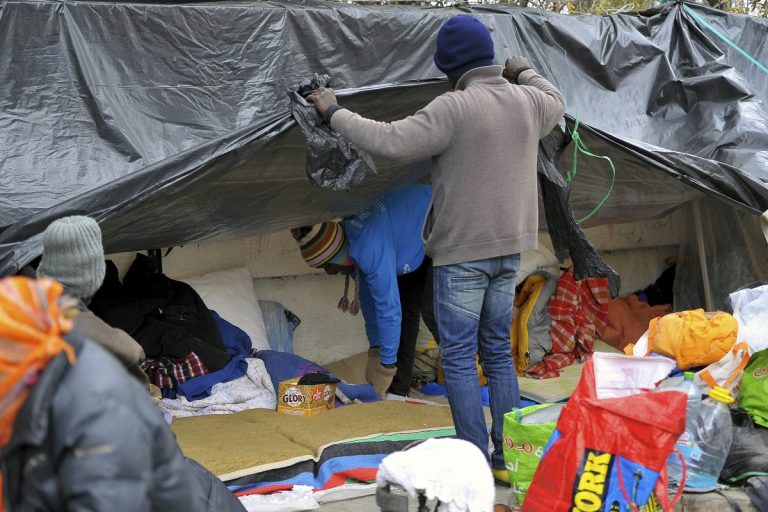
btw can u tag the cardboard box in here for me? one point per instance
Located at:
(307, 400)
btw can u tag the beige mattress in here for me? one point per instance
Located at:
(234, 445)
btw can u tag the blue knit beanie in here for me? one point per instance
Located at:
(463, 43)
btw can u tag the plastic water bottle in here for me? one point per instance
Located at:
(684, 444)
(692, 391)
(705, 443)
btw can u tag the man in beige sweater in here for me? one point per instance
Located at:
(482, 139)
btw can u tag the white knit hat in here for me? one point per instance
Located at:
(74, 255)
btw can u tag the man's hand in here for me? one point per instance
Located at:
(514, 66)
(322, 99)
(378, 375)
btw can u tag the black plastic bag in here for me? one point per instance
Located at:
(332, 161)
(568, 238)
(317, 378)
(748, 455)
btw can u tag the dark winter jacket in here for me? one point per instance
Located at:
(89, 438)
(167, 317)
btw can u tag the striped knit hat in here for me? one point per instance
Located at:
(321, 244)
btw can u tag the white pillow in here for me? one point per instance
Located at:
(230, 293)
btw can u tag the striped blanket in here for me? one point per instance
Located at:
(339, 464)
(261, 451)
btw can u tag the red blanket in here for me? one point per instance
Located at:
(579, 310)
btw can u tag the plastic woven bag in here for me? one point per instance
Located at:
(524, 446)
(726, 372)
(332, 161)
(608, 455)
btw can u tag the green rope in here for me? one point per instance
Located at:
(722, 36)
(580, 147)
(578, 144)
(565, 54)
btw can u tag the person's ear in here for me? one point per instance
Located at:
(299, 233)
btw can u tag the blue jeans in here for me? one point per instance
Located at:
(473, 310)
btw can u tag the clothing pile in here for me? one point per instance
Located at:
(557, 324)
(579, 310)
(199, 361)
(167, 317)
(530, 337)
(254, 391)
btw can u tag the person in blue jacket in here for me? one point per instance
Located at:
(382, 249)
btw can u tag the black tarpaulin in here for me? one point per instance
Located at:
(170, 123)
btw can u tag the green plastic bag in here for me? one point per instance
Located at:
(523, 447)
(753, 393)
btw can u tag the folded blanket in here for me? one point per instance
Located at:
(253, 391)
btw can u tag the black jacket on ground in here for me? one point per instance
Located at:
(89, 438)
(167, 317)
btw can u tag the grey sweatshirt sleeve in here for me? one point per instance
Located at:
(426, 133)
(548, 101)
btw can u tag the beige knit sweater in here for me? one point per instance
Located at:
(118, 342)
(483, 141)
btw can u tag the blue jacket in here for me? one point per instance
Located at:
(385, 242)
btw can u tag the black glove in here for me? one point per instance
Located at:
(317, 378)
(513, 67)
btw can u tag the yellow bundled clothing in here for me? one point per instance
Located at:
(693, 338)
(530, 339)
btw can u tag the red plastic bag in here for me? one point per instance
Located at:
(608, 455)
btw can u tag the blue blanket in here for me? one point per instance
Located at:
(283, 366)
(238, 345)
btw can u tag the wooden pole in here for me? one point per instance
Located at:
(702, 254)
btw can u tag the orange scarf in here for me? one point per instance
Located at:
(31, 329)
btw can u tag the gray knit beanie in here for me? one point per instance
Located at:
(74, 256)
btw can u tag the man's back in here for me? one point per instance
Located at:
(485, 195)
(483, 141)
